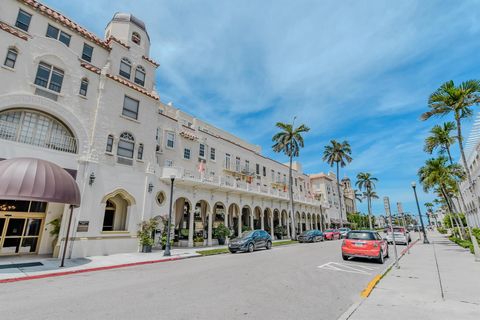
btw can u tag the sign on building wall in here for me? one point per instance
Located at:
(82, 226)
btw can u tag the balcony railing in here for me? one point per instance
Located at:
(54, 141)
(230, 183)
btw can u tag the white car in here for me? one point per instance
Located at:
(401, 235)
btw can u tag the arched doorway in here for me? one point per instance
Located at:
(200, 223)
(267, 217)
(233, 219)
(183, 209)
(247, 219)
(257, 218)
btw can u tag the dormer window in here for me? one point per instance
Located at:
(140, 76)
(125, 68)
(136, 38)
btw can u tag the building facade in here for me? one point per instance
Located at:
(89, 104)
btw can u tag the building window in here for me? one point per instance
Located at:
(212, 154)
(296, 182)
(23, 20)
(257, 169)
(247, 166)
(11, 58)
(140, 76)
(83, 87)
(49, 77)
(130, 107)
(59, 35)
(273, 175)
(201, 151)
(35, 128)
(237, 164)
(109, 146)
(126, 144)
(186, 153)
(115, 217)
(136, 38)
(87, 52)
(170, 139)
(140, 151)
(125, 68)
(227, 161)
(168, 163)
(264, 171)
(284, 178)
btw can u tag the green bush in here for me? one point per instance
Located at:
(442, 230)
(462, 243)
(221, 232)
(145, 232)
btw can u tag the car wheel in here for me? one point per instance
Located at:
(323, 239)
(233, 251)
(250, 247)
(381, 258)
(269, 245)
(344, 257)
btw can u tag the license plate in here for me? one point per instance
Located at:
(358, 244)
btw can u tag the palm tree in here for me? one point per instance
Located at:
(441, 138)
(428, 206)
(358, 195)
(289, 141)
(366, 182)
(339, 154)
(457, 100)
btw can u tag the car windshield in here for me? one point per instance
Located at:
(329, 230)
(400, 230)
(360, 236)
(246, 234)
(304, 233)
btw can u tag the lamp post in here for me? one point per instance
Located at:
(166, 253)
(425, 240)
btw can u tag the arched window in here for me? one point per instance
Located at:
(140, 75)
(136, 38)
(126, 144)
(109, 147)
(125, 68)
(115, 217)
(11, 58)
(83, 87)
(140, 151)
(36, 128)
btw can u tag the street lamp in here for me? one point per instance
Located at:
(166, 253)
(425, 240)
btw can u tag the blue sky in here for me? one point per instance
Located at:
(355, 70)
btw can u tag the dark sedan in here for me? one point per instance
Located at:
(310, 236)
(250, 241)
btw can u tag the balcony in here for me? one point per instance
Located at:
(227, 183)
(50, 140)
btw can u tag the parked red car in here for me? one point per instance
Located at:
(365, 244)
(331, 234)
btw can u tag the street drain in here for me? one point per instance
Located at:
(21, 265)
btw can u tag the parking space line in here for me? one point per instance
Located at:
(350, 268)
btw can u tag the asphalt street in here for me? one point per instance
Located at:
(304, 281)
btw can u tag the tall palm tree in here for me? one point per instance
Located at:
(428, 206)
(289, 141)
(365, 181)
(441, 138)
(339, 154)
(458, 100)
(358, 195)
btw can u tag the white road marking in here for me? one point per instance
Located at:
(343, 267)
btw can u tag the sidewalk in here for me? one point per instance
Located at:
(31, 267)
(416, 290)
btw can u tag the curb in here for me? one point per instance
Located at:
(118, 266)
(371, 285)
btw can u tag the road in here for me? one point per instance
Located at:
(304, 281)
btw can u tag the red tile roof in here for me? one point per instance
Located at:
(156, 64)
(15, 32)
(112, 38)
(133, 86)
(90, 67)
(60, 18)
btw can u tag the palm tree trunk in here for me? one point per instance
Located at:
(369, 207)
(473, 239)
(462, 207)
(339, 196)
(290, 190)
(449, 208)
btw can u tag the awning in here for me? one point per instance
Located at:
(34, 179)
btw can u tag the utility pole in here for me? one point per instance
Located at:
(386, 204)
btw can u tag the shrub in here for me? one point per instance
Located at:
(221, 232)
(146, 230)
(462, 243)
(442, 230)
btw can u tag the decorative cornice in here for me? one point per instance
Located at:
(12, 30)
(133, 86)
(156, 64)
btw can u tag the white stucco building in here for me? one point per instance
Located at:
(89, 104)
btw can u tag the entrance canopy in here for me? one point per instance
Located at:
(34, 179)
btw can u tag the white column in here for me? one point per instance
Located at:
(251, 220)
(210, 223)
(239, 224)
(287, 224)
(262, 222)
(271, 226)
(190, 229)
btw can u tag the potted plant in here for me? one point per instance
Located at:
(145, 234)
(279, 230)
(221, 233)
(55, 223)
(184, 233)
(198, 240)
(163, 241)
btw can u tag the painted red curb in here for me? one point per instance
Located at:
(408, 247)
(64, 273)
